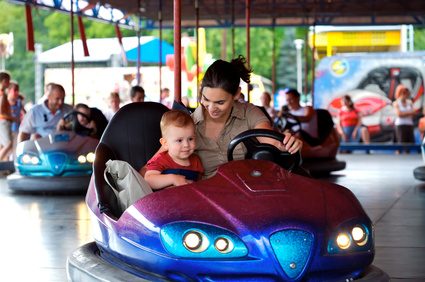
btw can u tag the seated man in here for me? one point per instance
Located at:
(41, 120)
(307, 117)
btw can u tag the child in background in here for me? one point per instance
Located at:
(177, 165)
(17, 110)
(114, 102)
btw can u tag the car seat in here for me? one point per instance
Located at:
(133, 136)
(325, 124)
(100, 120)
(321, 159)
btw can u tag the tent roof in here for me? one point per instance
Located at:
(268, 12)
(225, 13)
(101, 50)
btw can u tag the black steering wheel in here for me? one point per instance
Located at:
(287, 121)
(263, 151)
(76, 126)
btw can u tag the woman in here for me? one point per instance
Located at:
(404, 111)
(220, 118)
(350, 123)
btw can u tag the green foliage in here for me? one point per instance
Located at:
(20, 64)
(261, 42)
(286, 74)
(419, 43)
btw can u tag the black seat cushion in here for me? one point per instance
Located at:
(133, 136)
(100, 120)
(325, 124)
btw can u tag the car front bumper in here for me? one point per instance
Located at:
(86, 264)
(75, 183)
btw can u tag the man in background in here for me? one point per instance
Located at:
(41, 120)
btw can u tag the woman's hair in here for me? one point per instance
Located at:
(81, 106)
(177, 118)
(227, 76)
(400, 89)
(347, 99)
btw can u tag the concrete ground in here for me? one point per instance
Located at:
(39, 231)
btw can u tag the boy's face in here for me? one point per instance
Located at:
(13, 92)
(179, 141)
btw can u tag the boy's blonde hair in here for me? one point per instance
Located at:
(176, 118)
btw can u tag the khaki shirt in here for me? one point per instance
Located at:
(244, 116)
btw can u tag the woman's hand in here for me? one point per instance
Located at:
(291, 143)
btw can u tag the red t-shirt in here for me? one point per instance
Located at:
(348, 118)
(6, 106)
(164, 163)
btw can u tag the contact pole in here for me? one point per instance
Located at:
(177, 51)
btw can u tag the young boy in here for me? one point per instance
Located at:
(177, 165)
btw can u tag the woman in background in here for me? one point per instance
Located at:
(403, 108)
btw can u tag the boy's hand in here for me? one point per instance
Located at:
(180, 180)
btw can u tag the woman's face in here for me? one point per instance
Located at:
(217, 102)
(405, 93)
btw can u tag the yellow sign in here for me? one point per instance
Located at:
(356, 41)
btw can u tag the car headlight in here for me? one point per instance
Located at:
(351, 236)
(195, 241)
(82, 159)
(90, 157)
(343, 240)
(198, 240)
(28, 159)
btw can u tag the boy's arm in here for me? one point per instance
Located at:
(157, 180)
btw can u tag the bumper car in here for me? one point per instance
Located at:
(60, 162)
(252, 221)
(318, 155)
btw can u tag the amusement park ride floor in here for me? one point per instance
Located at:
(40, 231)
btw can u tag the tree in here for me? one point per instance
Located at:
(419, 43)
(286, 73)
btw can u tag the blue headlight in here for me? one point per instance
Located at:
(198, 240)
(351, 236)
